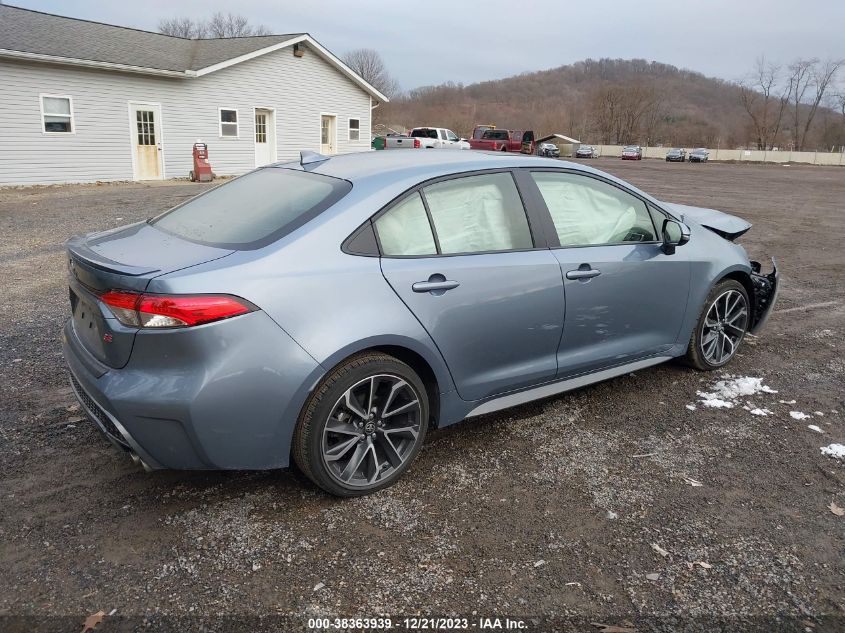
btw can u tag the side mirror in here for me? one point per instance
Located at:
(674, 234)
(463, 140)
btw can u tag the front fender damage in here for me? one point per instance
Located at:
(766, 288)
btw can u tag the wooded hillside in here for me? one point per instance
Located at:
(608, 101)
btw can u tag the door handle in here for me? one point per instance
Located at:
(583, 272)
(434, 285)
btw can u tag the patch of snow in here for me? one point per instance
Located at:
(763, 412)
(710, 400)
(813, 427)
(837, 451)
(819, 413)
(691, 407)
(725, 393)
(798, 415)
(787, 401)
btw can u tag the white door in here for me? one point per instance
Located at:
(265, 137)
(145, 126)
(328, 134)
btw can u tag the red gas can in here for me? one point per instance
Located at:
(202, 168)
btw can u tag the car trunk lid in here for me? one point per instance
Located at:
(127, 258)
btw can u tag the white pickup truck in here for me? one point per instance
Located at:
(427, 138)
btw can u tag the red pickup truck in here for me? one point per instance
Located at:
(491, 138)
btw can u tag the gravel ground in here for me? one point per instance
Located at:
(615, 504)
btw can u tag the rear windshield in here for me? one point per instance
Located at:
(497, 135)
(424, 133)
(253, 210)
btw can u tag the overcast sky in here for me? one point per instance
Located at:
(433, 41)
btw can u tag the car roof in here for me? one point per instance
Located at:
(422, 164)
(380, 168)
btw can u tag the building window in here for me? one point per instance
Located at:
(260, 127)
(229, 122)
(56, 114)
(354, 129)
(145, 122)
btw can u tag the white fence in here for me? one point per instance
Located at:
(741, 155)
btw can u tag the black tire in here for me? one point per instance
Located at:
(308, 447)
(696, 356)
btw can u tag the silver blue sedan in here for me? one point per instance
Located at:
(332, 310)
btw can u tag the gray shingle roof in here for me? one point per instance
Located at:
(46, 34)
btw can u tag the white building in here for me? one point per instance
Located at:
(83, 101)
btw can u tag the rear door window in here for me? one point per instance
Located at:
(477, 214)
(253, 210)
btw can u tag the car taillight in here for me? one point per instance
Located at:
(161, 311)
(416, 143)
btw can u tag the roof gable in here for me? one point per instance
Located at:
(26, 34)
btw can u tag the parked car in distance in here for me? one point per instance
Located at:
(699, 155)
(676, 155)
(585, 151)
(332, 310)
(549, 150)
(632, 152)
(438, 138)
(500, 140)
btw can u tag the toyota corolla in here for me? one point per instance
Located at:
(330, 311)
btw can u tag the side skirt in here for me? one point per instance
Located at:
(550, 389)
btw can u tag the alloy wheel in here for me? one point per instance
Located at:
(724, 326)
(371, 430)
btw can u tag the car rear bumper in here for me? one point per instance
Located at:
(110, 426)
(223, 395)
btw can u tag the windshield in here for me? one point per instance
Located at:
(424, 133)
(253, 210)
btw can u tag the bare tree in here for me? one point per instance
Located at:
(809, 80)
(607, 107)
(764, 104)
(183, 27)
(218, 25)
(622, 112)
(232, 25)
(369, 64)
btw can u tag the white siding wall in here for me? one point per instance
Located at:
(298, 89)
